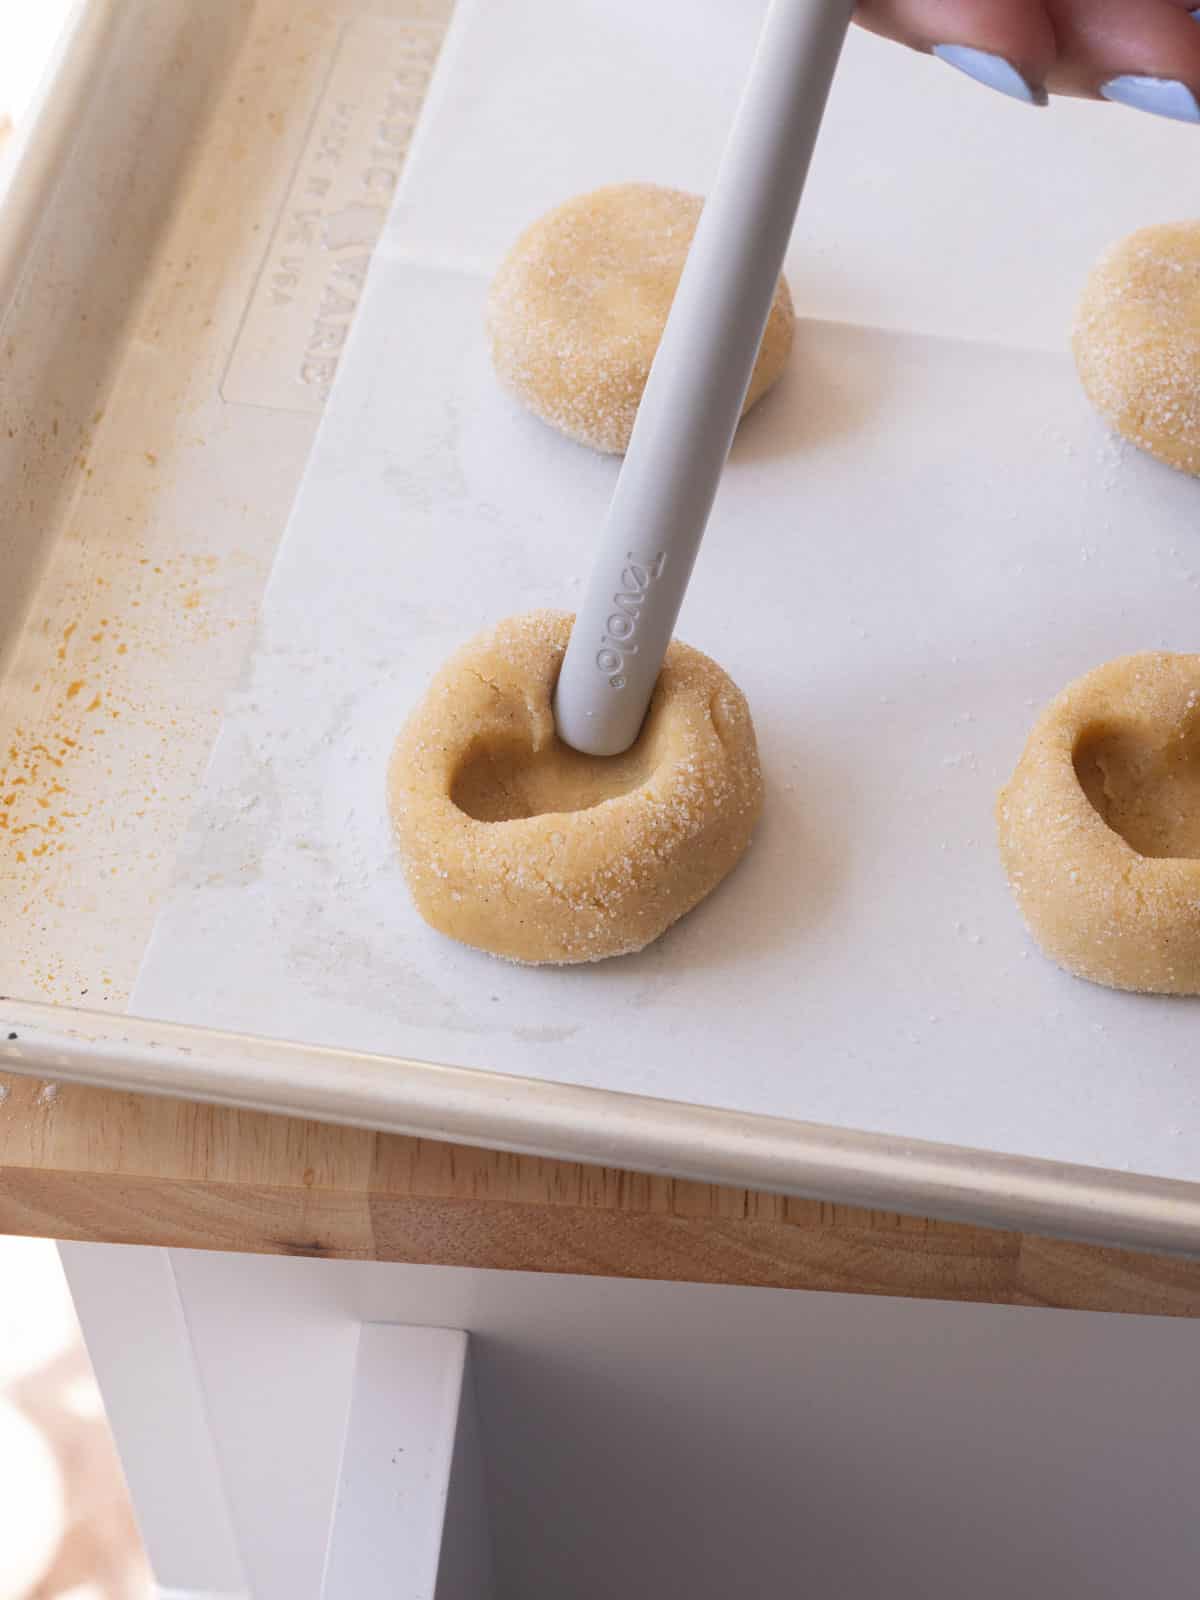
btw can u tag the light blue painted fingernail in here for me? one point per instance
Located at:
(1162, 97)
(994, 71)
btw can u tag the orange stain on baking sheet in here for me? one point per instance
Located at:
(80, 702)
(32, 791)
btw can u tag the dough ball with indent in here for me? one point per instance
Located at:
(519, 845)
(1100, 826)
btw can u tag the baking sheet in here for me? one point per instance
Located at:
(926, 536)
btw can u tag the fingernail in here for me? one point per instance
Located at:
(1162, 97)
(994, 71)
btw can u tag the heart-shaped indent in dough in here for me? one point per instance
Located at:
(1145, 785)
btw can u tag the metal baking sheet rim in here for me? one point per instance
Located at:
(599, 1127)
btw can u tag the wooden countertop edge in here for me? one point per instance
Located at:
(821, 1250)
(101, 1165)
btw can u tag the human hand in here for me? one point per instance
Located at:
(1140, 53)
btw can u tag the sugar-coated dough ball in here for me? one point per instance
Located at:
(579, 305)
(519, 845)
(1137, 341)
(1100, 826)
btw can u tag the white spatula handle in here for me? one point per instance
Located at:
(697, 385)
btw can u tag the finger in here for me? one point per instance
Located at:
(1007, 44)
(1139, 53)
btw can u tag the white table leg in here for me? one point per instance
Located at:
(355, 1475)
(138, 1340)
(411, 1511)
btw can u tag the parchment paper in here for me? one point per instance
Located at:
(921, 537)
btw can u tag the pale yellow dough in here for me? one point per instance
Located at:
(518, 845)
(1100, 826)
(578, 307)
(1137, 341)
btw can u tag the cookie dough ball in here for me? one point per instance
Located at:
(580, 303)
(1100, 826)
(1137, 341)
(517, 844)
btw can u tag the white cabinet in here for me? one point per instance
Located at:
(634, 1438)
